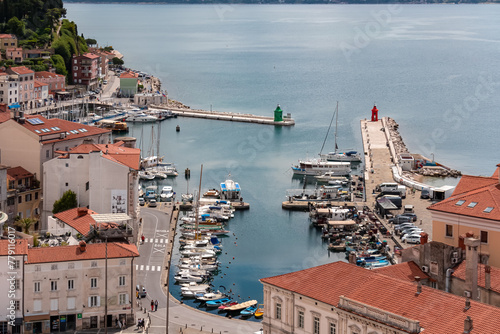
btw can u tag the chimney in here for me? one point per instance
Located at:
(471, 264)
(498, 172)
(461, 242)
(487, 277)
(424, 237)
(467, 304)
(83, 246)
(467, 325)
(82, 212)
(419, 285)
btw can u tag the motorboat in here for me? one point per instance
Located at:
(214, 193)
(167, 194)
(230, 190)
(211, 296)
(320, 166)
(260, 311)
(351, 156)
(145, 175)
(185, 277)
(192, 288)
(141, 118)
(223, 306)
(241, 306)
(249, 311)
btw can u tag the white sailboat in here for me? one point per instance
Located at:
(351, 156)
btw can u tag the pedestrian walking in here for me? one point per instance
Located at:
(142, 238)
(137, 294)
(156, 305)
(152, 305)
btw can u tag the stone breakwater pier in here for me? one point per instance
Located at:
(278, 119)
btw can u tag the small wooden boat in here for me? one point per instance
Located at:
(260, 311)
(217, 302)
(249, 311)
(212, 193)
(223, 306)
(241, 306)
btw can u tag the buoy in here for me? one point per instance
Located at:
(233, 257)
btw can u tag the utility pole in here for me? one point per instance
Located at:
(106, 290)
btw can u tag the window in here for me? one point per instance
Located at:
(93, 264)
(71, 303)
(47, 153)
(488, 209)
(316, 325)
(87, 185)
(14, 264)
(93, 282)
(333, 328)
(17, 304)
(123, 297)
(36, 287)
(27, 198)
(121, 280)
(16, 284)
(71, 266)
(53, 267)
(484, 237)
(37, 305)
(53, 285)
(19, 199)
(54, 304)
(123, 262)
(301, 319)
(36, 195)
(94, 301)
(472, 204)
(449, 230)
(278, 311)
(38, 267)
(71, 284)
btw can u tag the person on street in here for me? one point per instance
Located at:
(152, 305)
(142, 238)
(156, 305)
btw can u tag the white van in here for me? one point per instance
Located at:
(411, 239)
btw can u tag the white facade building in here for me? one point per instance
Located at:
(104, 178)
(9, 89)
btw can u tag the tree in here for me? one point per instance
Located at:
(25, 223)
(117, 61)
(16, 27)
(90, 41)
(58, 63)
(66, 202)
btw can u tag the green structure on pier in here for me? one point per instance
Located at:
(278, 114)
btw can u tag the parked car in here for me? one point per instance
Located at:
(411, 215)
(411, 239)
(105, 82)
(399, 220)
(425, 194)
(416, 231)
(141, 201)
(141, 291)
(152, 203)
(404, 226)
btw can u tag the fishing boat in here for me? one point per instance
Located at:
(114, 126)
(189, 290)
(217, 302)
(223, 306)
(230, 190)
(167, 194)
(328, 177)
(260, 311)
(211, 296)
(249, 311)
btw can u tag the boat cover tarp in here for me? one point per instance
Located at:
(341, 222)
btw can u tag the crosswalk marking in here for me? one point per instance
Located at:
(148, 268)
(161, 241)
(156, 241)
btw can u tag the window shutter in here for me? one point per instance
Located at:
(126, 299)
(98, 301)
(89, 303)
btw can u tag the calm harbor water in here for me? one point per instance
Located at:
(433, 68)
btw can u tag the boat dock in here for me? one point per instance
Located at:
(231, 117)
(187, 206)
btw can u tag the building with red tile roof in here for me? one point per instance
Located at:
(343, 298)
(9, 90)
(129, 83)
(74, 278)
(29, 141)
(15, 54)
(105, 177)
(41, 91)
(488, 283)
(77, 220)
(404, 271)
(24, 195)
(86, 70)
(55, 81)
(25, 85)
(473, 207)
(7, 41)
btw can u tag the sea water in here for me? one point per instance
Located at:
(433, 68)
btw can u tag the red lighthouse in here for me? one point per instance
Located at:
(374, 113)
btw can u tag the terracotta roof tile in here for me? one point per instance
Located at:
(494, 275)
(63, 126)
(7, 36)
(90, 55)
(484, 191)
(328, 282)
(21, 247)
(18, 172)
(40, 83)
(403, 271)
(21, 70)
(73, 253)
(46, 74)
(81, 223)
(130, 157)
(4, 115)
(129, 75)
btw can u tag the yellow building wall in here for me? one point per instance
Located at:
(491, 248)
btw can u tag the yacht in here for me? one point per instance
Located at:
(141, 118)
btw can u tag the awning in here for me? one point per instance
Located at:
(37, 317)
(15, 105)
(110, 217)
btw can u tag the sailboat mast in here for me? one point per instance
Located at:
(197, 206)
(336, 124)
